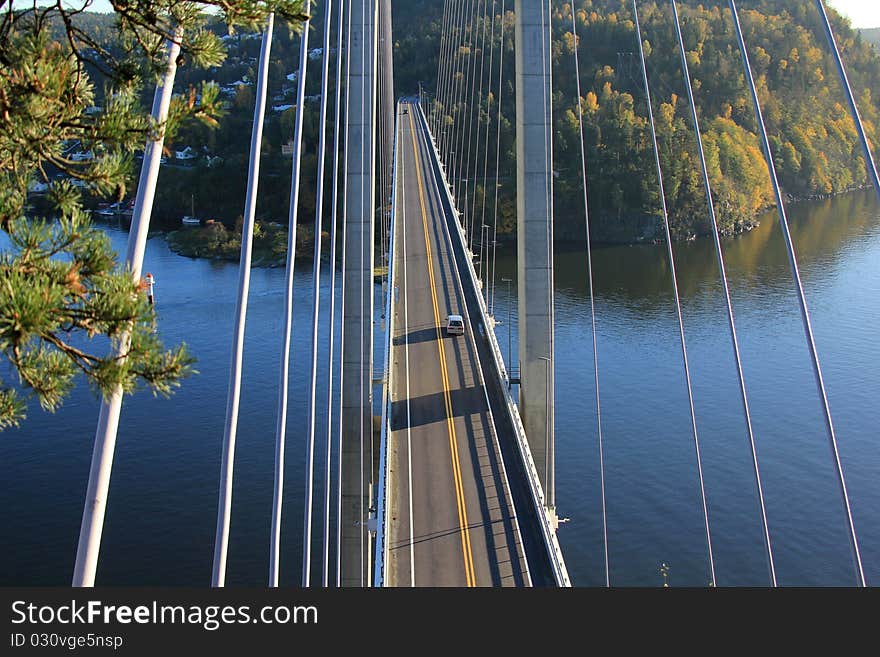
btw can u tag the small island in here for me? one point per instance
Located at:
(215, 241)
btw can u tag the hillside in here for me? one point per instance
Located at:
(813, 138)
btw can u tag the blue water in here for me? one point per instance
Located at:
(162, 507)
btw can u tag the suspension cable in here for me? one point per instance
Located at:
(281, 428)
(498, 164)
(458, 162)
(344, 183)
(95, 506)
(802, 299)
(484, 278)
(440, 63)
(577, 77)
(672, 270)
(364, 212)
(443, 70)
(723, 273)
(847, 88)
(325, 575)
(316, 299)
(464, 107)
(452, 86)
(472, 118)
(244, 277)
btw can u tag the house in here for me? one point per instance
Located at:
(287, 149)
(293, 76)
(186, 154)
(316, 54)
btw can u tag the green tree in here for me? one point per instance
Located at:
(64, 299)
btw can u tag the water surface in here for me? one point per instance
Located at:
(162, 507)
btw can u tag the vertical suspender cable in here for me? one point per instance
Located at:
(448, 66)
(442, 62)
(802, 300)
(433, 112)
(325, 579)
(592, 294)
(671, 254)
(498, 164)
(92, 526)
(723, 272)
(467, 122)
(457, 84)
(443, 68)
(458, 144)
(281, 427)
(451, 68)
(316, 298)
(847, 88)
(361, 261)
(221, 541)
(485, 277)
(344, 195)
(474, 117)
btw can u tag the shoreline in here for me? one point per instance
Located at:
(264, 258)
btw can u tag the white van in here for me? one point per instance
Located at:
(454, 325)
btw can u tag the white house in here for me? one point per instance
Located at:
(186, 154)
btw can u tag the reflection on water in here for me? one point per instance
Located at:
(162, 507)
(654, 512)
(824, 231)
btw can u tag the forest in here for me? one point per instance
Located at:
(815, 146)
(814, 142)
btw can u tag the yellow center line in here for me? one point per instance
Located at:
(450, 423)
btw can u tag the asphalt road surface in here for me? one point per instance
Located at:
(452, 517)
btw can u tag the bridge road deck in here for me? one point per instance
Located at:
(452, 517)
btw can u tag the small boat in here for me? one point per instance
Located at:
(191, 219)
(106, 210)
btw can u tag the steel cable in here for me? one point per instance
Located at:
(675, 289)
(723, 275)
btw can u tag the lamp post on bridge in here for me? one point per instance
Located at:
(549, 474)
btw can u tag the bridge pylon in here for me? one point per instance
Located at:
(534, 180)
(357, 344)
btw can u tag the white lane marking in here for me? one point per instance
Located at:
(412, 543)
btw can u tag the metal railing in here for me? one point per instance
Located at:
(384, 493)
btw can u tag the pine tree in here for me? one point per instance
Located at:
(65, 301)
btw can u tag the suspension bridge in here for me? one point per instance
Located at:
(439, 468)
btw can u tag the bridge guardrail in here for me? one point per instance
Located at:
(384, 493)
(548, 531)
